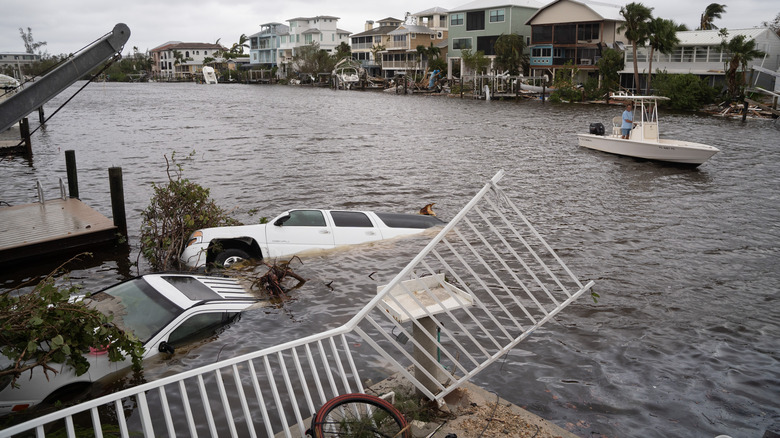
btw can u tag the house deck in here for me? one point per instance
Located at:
(34, 230)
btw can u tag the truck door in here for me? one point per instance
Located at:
(298, 231)
(351, 227)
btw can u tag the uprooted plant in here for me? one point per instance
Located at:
(46, 326)
(176, 210)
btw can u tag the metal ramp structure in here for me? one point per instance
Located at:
(486, 282)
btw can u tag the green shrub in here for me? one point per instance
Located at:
(686, 91)
(176, 210)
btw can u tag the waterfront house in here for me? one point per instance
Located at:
(573, 33)
(192, 57)
(303, 31)
(263, 45)
(477, 25)
(14, 63)
(372, 40)
(425, 28)
(699, 53)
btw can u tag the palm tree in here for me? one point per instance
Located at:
(711, 12)
(662, 36)
(742, 51)
(375, 49)
(509, 52)
(637, 16)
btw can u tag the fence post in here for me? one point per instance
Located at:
(73, 177)
(118, 199)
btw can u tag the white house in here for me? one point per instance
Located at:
(166, 65)
(303, 31)
(699, 53)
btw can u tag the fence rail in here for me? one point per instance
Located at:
(487, 281)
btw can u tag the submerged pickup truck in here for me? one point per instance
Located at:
(295, 231)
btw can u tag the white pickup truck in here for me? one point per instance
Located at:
(295, 231)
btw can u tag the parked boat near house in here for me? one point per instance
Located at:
(644, 140)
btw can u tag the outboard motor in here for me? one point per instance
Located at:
(597, 128)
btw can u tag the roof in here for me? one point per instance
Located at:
(607, 11)
(408, 28)
(712, 37)
(432, 11)
(313, 18)
(485, 4)
(390, 19)
(178, 45)
(381, 30)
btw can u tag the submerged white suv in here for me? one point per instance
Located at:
(165, 311)
(295, 231)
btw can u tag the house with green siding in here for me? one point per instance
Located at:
(477, 26)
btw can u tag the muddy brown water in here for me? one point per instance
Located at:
(682, 342)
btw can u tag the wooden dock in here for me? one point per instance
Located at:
(35, 230)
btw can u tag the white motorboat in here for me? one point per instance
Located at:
(644, 140)
(8, 86)
(209, 76)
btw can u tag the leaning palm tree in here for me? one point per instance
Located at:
(662, 36)
(711, 12)
(742, 51)
(636, 16)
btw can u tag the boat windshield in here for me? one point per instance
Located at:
(136, 307)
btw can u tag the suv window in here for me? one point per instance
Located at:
(200, 327)
(400, 220)
(351, 219)
(305, 218)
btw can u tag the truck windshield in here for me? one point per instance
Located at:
(136, 307)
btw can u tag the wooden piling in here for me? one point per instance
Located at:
(73, 178)
(24, 129)
(41, 117)
(118, 199)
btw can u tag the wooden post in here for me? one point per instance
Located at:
(24, 130)
(41, 117)
(118, 199)
(426, 345)
(744, 108)
(73, 178)
(461, 86)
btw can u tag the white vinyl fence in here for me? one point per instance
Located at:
(481, 286)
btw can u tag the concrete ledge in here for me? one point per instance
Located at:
(475, 412)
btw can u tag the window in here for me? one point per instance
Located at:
(541, 34)
(475, 20)
(487, 44)
(304, 218)
(701, 54)
(456, 20)
(497, 16)
(199, 327)
(588, 32)
(565, 34)
(351, 219)
(461, 43)
(307, 38)
(541, 52)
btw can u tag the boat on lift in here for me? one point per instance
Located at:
(644, 140)
(209, 77)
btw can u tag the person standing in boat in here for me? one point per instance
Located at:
(628, 121)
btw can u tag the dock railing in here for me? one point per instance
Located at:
(486, 282)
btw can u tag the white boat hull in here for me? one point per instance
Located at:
(673, 151)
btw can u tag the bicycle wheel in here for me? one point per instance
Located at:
(359, 416)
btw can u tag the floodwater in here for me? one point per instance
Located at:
(684, 338)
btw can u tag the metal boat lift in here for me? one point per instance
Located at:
(35, 94)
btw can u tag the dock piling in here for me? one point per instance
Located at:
(118, 199)
(73, 179)
(24, 129)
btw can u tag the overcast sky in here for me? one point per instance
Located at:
(69, 25)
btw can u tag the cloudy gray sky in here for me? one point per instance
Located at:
(69, 25)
